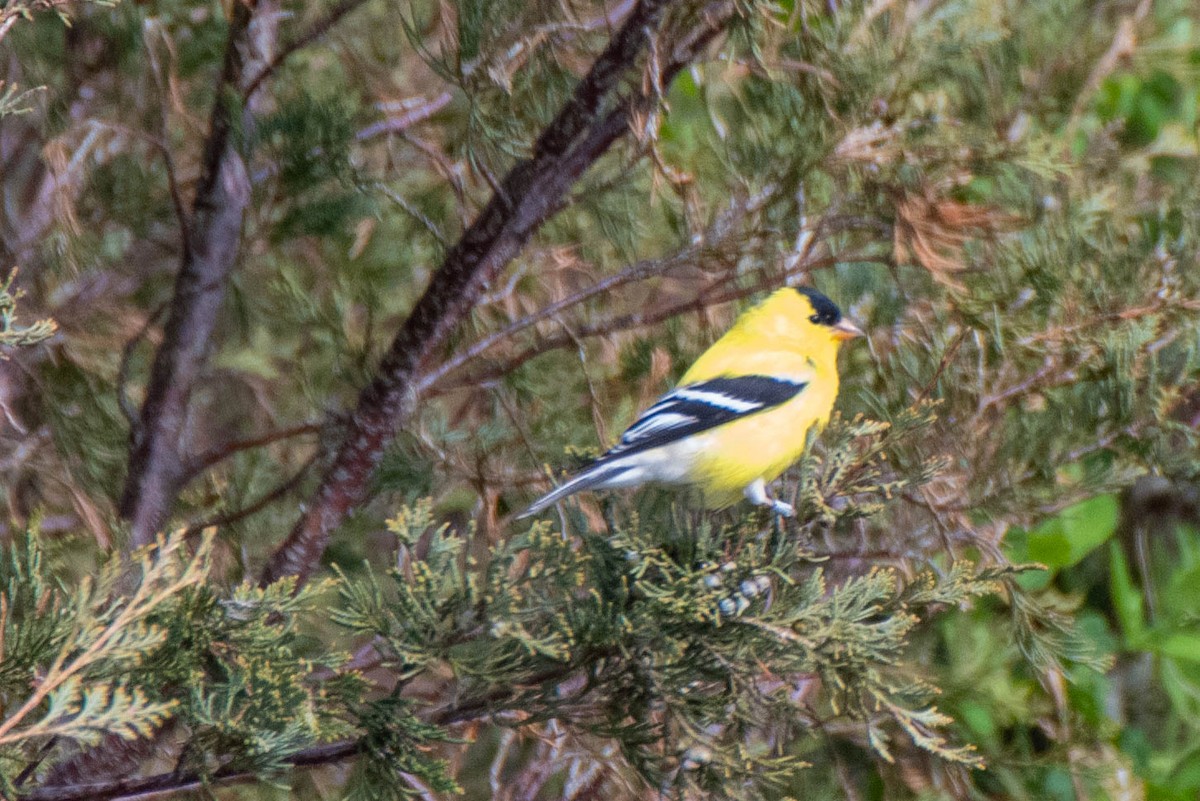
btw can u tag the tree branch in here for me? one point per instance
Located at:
(318, 29)
(213, 238)
(256, 506)
(530, 193)
(175, 781)
(710, 295)
(407, 119)
(224, 451)
(462, 711)
(716, 236)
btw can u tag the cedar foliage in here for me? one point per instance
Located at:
(965, 606)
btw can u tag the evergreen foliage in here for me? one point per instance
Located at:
(695, 649)
(69, 655)
(13, 334)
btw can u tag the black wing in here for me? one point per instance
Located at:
(698, 407)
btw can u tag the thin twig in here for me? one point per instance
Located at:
(947, 357)
(367, 657)
(415, 213)
(705, 298)
(128, 410)
(181, 214)
(176, 781)
(318, 29)
(1052, 374)
(258, 505)
(638, 271)
(222, 452)
(445, 168)
(402, 122)
(27, 773)
(173, 187)
(392, 125)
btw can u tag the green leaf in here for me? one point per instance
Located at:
(1180, 645)
(1136, 745)
(1186, 775)
(979, 719)
(1127, 598)
(1075, 532)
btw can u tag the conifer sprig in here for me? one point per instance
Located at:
(680, 645)
(13, 334)
(82, 647)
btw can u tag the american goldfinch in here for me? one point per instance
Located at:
(741, 415)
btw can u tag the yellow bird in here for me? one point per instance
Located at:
(741, 415)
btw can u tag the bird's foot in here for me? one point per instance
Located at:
(756, 493)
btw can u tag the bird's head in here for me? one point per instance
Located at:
(795, 328)
(823, 319)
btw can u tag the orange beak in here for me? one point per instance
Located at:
(844, 329)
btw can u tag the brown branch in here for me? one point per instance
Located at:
(222, 452)
(318, 29)
(1095, 317)
(718, 232)
(257, 506)
(462, 711)
(213, 239)
(1051, 374)
(174, 188)
(579, 135)
(707, 297)
(402, 122)
(947, 356)
(186, 780)
(392, 125)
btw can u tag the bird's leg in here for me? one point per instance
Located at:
(756, 493)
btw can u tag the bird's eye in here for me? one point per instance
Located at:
(815, 319)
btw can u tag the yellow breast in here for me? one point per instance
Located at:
(777, 339)
(762, 445)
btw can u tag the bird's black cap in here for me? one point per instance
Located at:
(826, 311)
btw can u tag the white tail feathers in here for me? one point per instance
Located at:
(597, 476)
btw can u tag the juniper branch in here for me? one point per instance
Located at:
(183, 780)
(163, 574)
(531, 192)
(465, 710)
